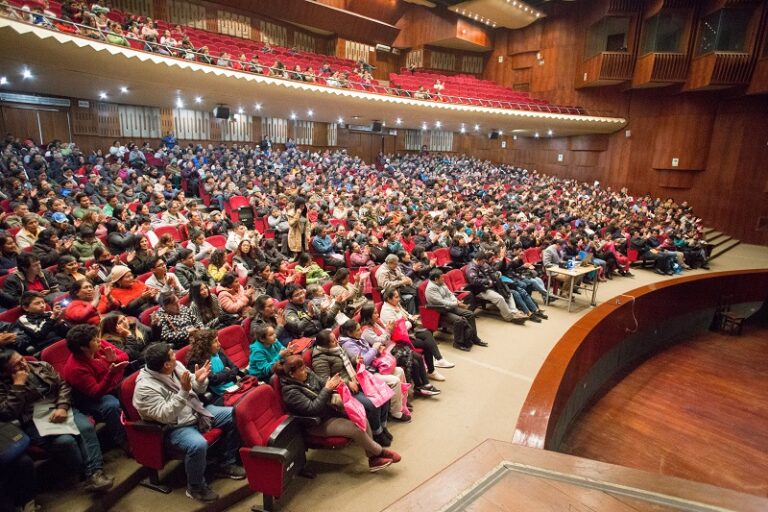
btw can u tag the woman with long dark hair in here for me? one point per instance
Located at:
(204, 305)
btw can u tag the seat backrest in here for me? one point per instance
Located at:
(532, 255)
(423, 292)
(455, 280)
(143, 277)
(146, 316)
(259, 412)
(12, 314)
(218, 241)
(172, 230)
(234, 343)
(56, 355)
(126, 397)
(443, 256)
(182, 353)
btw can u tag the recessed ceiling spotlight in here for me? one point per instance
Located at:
(424, 126)
(477, 127)
(340, 120)
(123, 90)
(258, 106)
(179, 103)
(536, 135)
(514, 137)
(438, 124)
(198, 99)
(550, 132)
(462, 129)
(26, 73)
(240, 111)
(398, 121)
(293, 116)
(3, 80)
(102, 95)
(310, 112)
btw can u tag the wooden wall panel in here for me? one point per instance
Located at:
(55, 125)
(84, 120)
(22, 122)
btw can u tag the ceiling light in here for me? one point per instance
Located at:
(293, 116)
(501, 132)
(124, 90)
(310, 112)
(398, 121)
(477, 127)
(240, 111)
(258, 106)
(179, 103)
(462, 129)
(514, 137)
(424, 126)
(340, 120)
(550, 132)
(438, 124)
(536, 135)
(26, 73)
(102, 95)
(3, 80)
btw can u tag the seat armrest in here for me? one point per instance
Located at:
(307, 421)
(269, 452)
(145, 426)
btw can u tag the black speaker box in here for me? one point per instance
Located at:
(494, 135)
(377, 126)
(221, 112)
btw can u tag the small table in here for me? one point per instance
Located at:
(575, 273)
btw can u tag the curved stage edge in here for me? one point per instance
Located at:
(617, 336)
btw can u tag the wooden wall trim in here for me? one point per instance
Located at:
(597, 333)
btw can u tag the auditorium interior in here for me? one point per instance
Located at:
(652, 399)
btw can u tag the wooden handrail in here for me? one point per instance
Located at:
(616, 66)
(732, 68)
(576, 368)
(669, 66)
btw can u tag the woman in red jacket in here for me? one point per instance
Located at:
(94, 370)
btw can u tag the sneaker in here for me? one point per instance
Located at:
(378, 463)
(480, 343)
(425, 391)
(203, 493)
(436, 375)
(231, 471)
(99, 481)
(389, 454)
(444, 363)
(541, 314)
(403, 418)
(534, 318)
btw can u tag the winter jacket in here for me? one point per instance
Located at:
(15, 285)
(92, 377)
(16, 402)
(188, 275)
(156, 401)
(37, 331)
(308, 398)
(263, 358)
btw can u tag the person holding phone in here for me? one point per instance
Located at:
(95, 370)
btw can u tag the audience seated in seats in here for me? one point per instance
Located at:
(348, 294)
(323, 245)
(26, 385)
(85, 244)
(30, 231)
(453, 312)
(69, 271)
(300, 322)
(37, 328)
(392, 311)
(201, 249)
(311, 270)
(140, 257)
(265, 311)
(205, 306)
(9, 252)
(86, 303)
(205, 348)
(305, 394)
(130, 295)
(483, 282)
(360, 256)
(168, 248)
(390, 277)
(162, 280)
(49, 248)
(218, 266)
(264, 281)
(265, 351)
(647, 248)
(129, 336)
(329, 359)
(95, 370)
(234, 298)
(187, 270)
(514, 287)
(29, 276)
(168, 394)
(175, 322)
(362, 352)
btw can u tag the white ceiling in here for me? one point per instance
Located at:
(79, 68)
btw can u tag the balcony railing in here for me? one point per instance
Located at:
(78, 30)
(732, 68)
(616, 66)
(669, 67)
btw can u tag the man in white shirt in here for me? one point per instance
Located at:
(163, 280)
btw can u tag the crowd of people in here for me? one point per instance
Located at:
(81, 259)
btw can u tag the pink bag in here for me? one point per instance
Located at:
(385, 363)
(365, 277)
(404, 386)
(354, 409)
(376, 390)
(400, 332)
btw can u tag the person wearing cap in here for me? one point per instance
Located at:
(60, 223)
(131, 295)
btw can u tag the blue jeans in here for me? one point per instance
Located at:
(524, 301)
(535, 283)
(191, 442)
(377, 416)
(75, 452)
(106, 409)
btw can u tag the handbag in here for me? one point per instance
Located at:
(13, 442)
(385, 363)
(352, 407)
(243, 388)
(405, 386)
(376, 390)
(400, 332)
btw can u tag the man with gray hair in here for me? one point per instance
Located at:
(390, 276)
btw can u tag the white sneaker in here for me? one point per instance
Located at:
(436, 375)
(444, 363)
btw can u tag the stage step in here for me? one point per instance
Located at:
(724, 248)
(719, 241)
